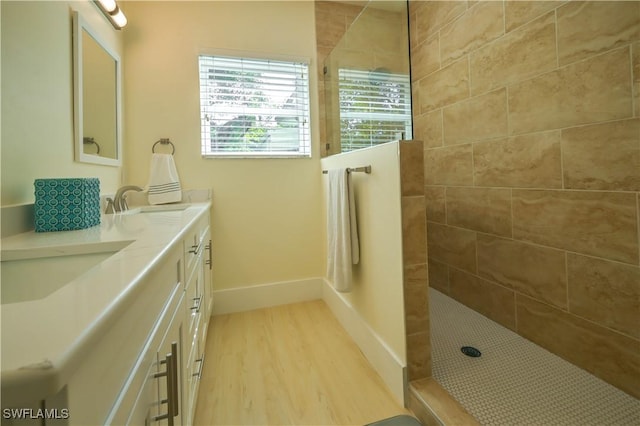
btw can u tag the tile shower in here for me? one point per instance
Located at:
(530, 117)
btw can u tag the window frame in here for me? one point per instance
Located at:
(305, 147)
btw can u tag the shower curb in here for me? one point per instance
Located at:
(434, 406)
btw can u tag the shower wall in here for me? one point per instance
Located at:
(530, 117)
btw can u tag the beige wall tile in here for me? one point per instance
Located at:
(411, 168)
(533, 270)
(481, 209)
(416, 305)
(435, 203)
(377, 30)
(428, 128)
(330, 27)
(475, 119)
(491, 300)
(332, 21)
(478, 26)
(449, 166)
(453, 246)
(527, 161)
(602, 156)
(415, 6)
(520, 12)
(605, 353)
(586, 28)
(636, 76)
(445, 86)
(523, 53)
(433, 15)
(413, 23)
(418, 355)
(605, 292)
(425, 58)
(598, 223)
(414, 240)
(438, 276)
(351, 58)
(590, 91)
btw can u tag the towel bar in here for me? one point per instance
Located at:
(164, 141)
(365, 169)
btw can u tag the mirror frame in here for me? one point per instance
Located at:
(79, 25)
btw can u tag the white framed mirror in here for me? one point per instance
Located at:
(96, 96)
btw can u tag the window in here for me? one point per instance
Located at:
(254, 107)
(375, 107)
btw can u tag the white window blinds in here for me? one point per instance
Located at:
(254, 107)
(375, 107)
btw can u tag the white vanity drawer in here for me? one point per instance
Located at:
(194, 243)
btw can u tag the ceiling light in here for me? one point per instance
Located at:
(111, 10)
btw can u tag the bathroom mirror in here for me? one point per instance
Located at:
(367, 80)
(97, 117)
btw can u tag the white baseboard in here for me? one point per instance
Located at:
(266, 295)
(387, 364)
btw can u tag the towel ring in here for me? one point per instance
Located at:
(164, 141)
(87, 140)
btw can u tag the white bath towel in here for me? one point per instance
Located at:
(164, 184)
(343, 249)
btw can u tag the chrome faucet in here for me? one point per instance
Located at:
(119, 202)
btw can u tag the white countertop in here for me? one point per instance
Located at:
(41, 338)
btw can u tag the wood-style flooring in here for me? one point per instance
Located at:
(288, 365)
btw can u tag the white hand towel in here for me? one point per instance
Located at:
(164, 185)
(343, 249)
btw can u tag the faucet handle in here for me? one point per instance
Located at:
(109, 209)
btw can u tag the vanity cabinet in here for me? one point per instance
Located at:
(125, 342)
(164, 386)
(197, 246)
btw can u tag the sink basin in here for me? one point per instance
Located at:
(160, 208)
(36, 273)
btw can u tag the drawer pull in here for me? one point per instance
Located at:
(199, 373)
(198, 301)
(195, 249)
(171, 373)
(210, 260)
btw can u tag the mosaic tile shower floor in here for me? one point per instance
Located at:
(516, 382)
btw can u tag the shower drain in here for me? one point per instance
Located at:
(470, 351)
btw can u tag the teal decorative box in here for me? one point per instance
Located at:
(66, 204)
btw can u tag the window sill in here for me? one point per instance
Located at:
(256, 156)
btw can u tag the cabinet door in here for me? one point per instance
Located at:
(169, 374)
(145, 409)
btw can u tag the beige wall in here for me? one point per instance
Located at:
(377, 280)
(531, 130)
(267, 213)
(37, 96)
